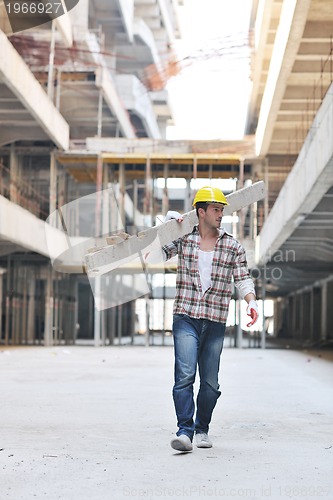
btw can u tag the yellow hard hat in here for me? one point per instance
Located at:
(210, 195)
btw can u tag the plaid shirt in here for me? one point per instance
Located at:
(229, 261)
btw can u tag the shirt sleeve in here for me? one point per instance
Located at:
(171, 249)
(241, 274)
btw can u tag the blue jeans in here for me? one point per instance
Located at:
(196, 342)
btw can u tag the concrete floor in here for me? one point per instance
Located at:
(84, 423)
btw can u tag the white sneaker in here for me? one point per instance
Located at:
(203, 440)
(182, 443)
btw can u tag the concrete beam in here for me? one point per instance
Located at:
(305, 186)
(287, 41)
(166, 20)
(260, 33)
(20, 80)
(30, 232)
(142, 31)
(105, 83)
(64, 26)
(106, 258)
(135, 97)
(126, 8)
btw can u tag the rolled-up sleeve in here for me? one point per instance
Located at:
(242, 279)
(171, 249)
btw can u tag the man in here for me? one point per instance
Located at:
(208, 259)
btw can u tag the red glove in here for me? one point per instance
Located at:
(253, 311)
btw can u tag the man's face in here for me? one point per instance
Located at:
(213, 214)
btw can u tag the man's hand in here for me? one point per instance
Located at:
(171, 214)
(253, 311)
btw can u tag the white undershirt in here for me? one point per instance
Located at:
(205, 268)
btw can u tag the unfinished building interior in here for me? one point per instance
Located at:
(84, 109)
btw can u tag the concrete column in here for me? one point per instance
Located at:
(99, 183)
(297, 330)
(62, 189)
(1, 300)
(48, 329)
(97, 314)
(263, 298)
(24, 329)
(147, 321)
(324, 304)
(15, 310)
(58, 89)
(100, 114)
(31, 307)
(329, 311)
(112, 324)
(266, 200)
(293, 332)
(120, 322)
(8, 300)
(132, 319)
(307, 314)
(122, 191)
(56, 312)
(239, 334)
(14, 172)
(135, 201)
(75, 294)
(106, 203)
(317, 317)
(188, 196)
(240, 185)
(50, 80)
(165, 196)
(312, 316)
(148, 193)
(113, 204)
(53, 183)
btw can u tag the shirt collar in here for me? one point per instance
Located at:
(222, 231)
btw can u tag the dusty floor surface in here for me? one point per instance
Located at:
(84, 423)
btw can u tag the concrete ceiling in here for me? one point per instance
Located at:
(305, 75)
(292, 71)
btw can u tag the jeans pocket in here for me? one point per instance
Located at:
(177, 317)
